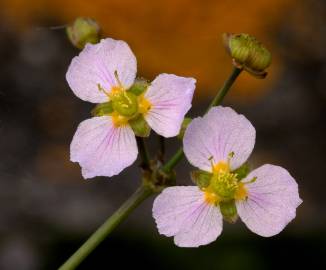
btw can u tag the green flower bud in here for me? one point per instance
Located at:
(140, 126)
(125, 103)
(140, 86)
(229, 211)
(201, 178)
(102, 109)
(248, 53)
(83, 31)
(184, 126)
(242, 171)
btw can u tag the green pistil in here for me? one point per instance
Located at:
(224, 184)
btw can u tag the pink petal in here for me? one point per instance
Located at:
(272, 200)
(96, 64)
(182, 212)
(220, 132)
(170, 96)
(102, 149)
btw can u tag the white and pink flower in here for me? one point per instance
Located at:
(218, 144)
(104, 145)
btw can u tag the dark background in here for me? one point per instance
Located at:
(47, 210)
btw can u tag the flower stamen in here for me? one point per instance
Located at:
(144, 105)
(101, 89)
(211, 197)
(117, 78)
(241, 192)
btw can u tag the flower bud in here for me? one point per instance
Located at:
(248, 53)
(140, 126)
(229, 211)
(184, 126)
(140, 86)
(201, 178)
(83, 31)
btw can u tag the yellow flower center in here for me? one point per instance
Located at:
(241, 192)
(116, 91)
(211, 197)
(143, 105)
(125, 104)
(220, 167)
(224, 185)
(118, 119)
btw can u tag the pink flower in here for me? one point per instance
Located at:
(103, 73)
(218, 144)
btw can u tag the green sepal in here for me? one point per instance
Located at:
(184, 126)
(102, 109)
(242, 171)
(229, 211)
(201, 178)
(140, 86)
(140, 126)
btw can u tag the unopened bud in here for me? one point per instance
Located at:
(83, 31)
(248, 53)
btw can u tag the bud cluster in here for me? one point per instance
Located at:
(248, 53)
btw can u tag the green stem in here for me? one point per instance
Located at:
(102, 232)
(143, 153)
(174, 160)
(161, 153)
(225, 88)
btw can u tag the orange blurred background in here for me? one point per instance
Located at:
(181, 37)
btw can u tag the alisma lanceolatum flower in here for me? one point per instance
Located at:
(105, 73)
(219, 144)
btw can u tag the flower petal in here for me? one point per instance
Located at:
(101, 148)
(182, 212)
(272, 200)
(220, 132)
(170, 97)
(96, 64)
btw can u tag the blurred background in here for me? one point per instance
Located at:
(47, 209)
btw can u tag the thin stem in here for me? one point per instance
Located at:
(143, 153)
(225, 88)
(161, 153)
(108, 226)
(174, 160)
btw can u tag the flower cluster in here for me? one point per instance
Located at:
(105, 73)
(218, 144)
